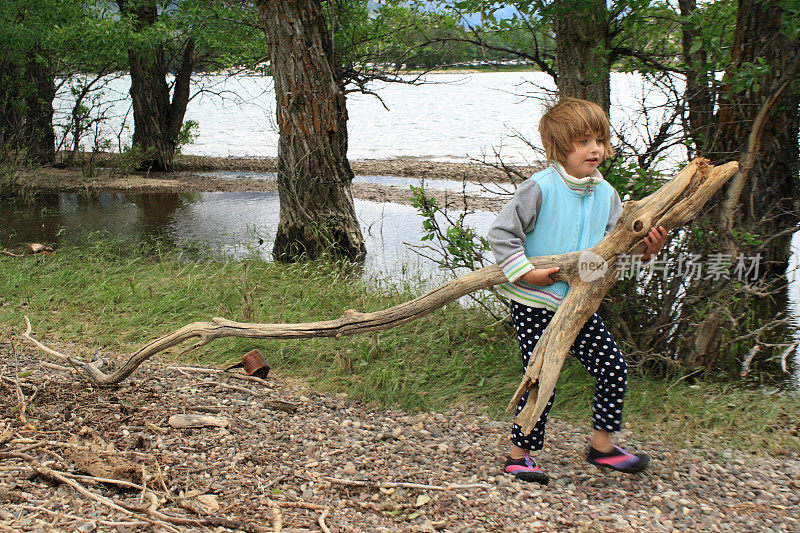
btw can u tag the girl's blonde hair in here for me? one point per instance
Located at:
(569, 120)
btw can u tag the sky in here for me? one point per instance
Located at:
(472, 19)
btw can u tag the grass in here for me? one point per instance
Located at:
(114, 295)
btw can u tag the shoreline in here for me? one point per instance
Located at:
(401, 166)
(188, 177)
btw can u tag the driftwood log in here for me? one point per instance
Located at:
(589, 273)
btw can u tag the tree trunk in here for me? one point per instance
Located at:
(314, 175)
(157, 120)
(763, 205)
(10, 119)
(27, 90)
(769, 202)
(40, 137)
(581, 28)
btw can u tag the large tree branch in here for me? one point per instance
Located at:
(589, 273)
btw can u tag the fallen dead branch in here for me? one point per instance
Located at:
(748, 359)
(225, 386)
(791, 349)
(300, 505)
(62, 514)
(155, 517)
(675, 204)
(48, 473)
(22, 404)
(277, 517)
(52, 366)
(106, 481)
(183, 421)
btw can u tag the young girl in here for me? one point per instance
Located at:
(564, 208)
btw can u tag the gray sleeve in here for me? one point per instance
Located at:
(615, 213)
(507, 233)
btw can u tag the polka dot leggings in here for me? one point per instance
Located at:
(598, 352)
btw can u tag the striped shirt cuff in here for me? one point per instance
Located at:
(516, 266)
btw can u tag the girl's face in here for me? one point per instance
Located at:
(587, 153)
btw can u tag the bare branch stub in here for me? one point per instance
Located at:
(675, 204)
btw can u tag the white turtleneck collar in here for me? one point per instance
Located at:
(579, 185)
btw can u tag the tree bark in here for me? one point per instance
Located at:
(27, 90)
(581, 28)
(39, 133)
(768, 203)
(314, 175)
(756, 123)
(11, 76)
(157, 119)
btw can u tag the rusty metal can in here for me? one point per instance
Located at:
(254, 364)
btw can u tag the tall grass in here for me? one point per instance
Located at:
(113, 295)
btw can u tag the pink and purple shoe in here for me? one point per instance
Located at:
(526, 470)
(618, 459)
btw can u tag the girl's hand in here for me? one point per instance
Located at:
(540, 276)
(654, 240)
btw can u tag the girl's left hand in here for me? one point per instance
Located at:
(654, 240)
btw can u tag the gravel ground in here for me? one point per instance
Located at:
(292, 459)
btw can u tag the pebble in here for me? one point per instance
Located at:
(87, 527)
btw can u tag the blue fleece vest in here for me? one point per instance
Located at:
(568, 221)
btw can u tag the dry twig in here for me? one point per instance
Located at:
(747, 360)
(785, 355)
(48, 473)
(102, 480)
(684, 377)
(277, 517)
(60, 514)
(322, 521)
(21, 403)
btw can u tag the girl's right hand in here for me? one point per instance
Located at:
(540, 276)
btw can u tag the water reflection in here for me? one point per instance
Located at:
(53, 215)
(156, 211)
(232, 224)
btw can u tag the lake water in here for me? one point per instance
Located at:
(452, 117)
(232, 224)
